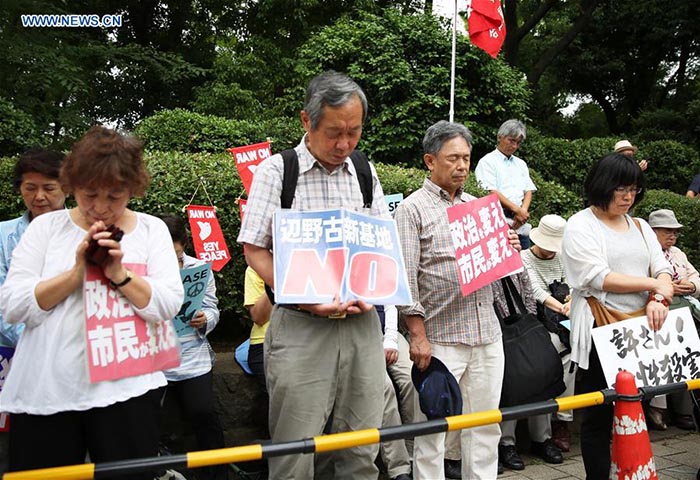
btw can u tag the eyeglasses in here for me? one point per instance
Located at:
(626, 190)
(669, 233)
(514, 141)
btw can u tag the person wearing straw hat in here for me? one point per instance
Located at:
(686, 283)
(626, 148)
(545, 267)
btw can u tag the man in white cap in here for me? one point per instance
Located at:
(626, 148)
(544, 267)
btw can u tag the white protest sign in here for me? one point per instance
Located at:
(669, 355)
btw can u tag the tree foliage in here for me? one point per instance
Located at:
(402, 63)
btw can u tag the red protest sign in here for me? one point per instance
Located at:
(242, 204)
(247, 159)
(487, 28)
(480, 236)
(119, 343)
(207, 237)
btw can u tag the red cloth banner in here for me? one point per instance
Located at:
(207, 237)
(119, 343)
(487, 27)
(480, 236)
(247, 159)
(242, 204)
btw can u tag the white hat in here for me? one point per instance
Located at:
(549, 233)
(623, 145)
(663, 218)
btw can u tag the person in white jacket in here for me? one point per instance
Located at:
(618, 261)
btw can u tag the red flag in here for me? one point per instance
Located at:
(207, 237)
(247, 159)
(487, 28)
(242, 205)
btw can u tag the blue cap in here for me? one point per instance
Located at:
(438, 390)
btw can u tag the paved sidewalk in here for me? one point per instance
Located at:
(676, 453)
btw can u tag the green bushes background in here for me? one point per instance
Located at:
(187, 141)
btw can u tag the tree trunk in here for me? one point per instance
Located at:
(548, 57)
(515, 34)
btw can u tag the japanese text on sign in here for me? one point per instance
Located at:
(669, 355)
(320, 254)
(482, 247)
(120, 343)
(350, 231)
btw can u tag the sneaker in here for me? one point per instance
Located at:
(561, 435)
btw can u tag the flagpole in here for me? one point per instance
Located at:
(452, 70)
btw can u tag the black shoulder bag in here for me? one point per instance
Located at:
(533, 370)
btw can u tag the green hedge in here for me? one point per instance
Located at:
(566, 162)
(175, 176)
(185, 131)
(687, 212)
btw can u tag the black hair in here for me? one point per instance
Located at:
(38, 160)
(612, 171)
(176, 227)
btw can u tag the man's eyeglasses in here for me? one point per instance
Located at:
(669, 232)
(626, 190)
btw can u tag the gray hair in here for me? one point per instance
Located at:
(441, 132)
(513, 128)
(331, 89)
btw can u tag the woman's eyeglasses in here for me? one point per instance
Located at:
(626, 190)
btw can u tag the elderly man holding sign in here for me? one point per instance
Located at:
(461, 331)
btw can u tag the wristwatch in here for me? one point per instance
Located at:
(657, 297)
(128, 278)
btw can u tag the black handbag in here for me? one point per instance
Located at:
(533, 369)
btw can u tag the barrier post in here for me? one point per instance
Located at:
(631, 449)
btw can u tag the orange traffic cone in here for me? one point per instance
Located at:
(631, 456)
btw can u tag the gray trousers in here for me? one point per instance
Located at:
(315, 366)
(397, 454)
(539, 427)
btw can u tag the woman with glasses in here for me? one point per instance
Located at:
(612, 261)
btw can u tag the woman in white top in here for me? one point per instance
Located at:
(58, 414)
(609, 257)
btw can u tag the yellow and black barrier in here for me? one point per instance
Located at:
(337, 441)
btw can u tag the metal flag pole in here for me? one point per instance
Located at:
(452, 70)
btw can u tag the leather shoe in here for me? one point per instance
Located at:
(561, 435)
(500, 467)
(509, 457)
(547, 451)
(655, 418)
(453, 469)
(403, 476)
(684, 422)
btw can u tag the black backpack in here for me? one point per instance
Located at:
(290, 176)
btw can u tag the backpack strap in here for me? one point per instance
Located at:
(364, 176)
(289, 177)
